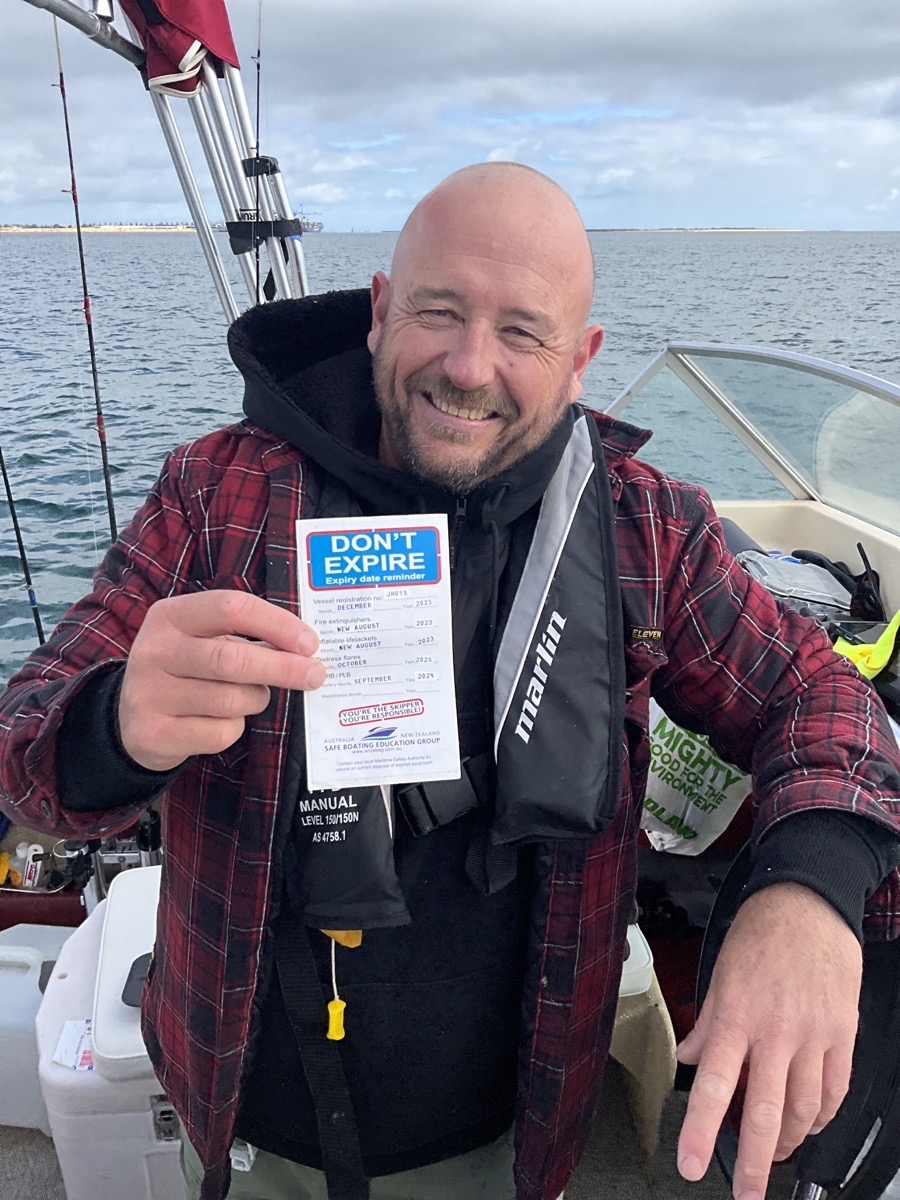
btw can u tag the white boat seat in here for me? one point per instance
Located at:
(129, 930)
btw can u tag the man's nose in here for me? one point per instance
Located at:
(470, 363)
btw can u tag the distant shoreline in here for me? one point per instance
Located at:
(594, 229)
(97, 229)
(714, 229)
(190, 229)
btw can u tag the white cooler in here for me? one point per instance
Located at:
(23, 949)
(116, 1136)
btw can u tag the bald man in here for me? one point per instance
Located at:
(481, 1000)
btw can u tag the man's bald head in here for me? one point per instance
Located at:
(502, 200)
(479, 336)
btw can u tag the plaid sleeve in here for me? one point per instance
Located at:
(764, 684)
(152, 559)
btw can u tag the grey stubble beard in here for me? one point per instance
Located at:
(457, 478)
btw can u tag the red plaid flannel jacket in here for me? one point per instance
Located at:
(767, 689)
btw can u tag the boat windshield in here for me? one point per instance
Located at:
(764, 424)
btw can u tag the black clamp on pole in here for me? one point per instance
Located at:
(264, 164)
(246, 235)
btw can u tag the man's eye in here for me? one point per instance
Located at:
(520, 335)
(437, 314)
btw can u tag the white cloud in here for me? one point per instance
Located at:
(321, 193)
(613, 176)
(519, 150)
(344, 162)
(650, 113)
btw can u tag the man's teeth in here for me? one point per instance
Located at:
(453, 411)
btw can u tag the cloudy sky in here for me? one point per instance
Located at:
(650, 112)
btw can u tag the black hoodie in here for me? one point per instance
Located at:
(432, 1013)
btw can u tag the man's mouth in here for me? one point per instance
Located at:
(453, 410)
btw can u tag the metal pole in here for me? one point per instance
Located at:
(205, 132)
(242, 184)
(248, 147)
(281, 201)
(222, 182)
(195, 204)
(294, 244)
(94, 28)
(808, 1191)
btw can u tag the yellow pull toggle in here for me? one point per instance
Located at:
(336, 1020)
(871, 657)
(351, 938)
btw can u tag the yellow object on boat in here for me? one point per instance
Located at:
(871, 657)
(4, 866)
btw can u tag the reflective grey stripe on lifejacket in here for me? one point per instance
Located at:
(558, 675)
(559, 678)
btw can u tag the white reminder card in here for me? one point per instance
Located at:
(377, 592)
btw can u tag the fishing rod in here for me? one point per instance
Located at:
(23, 558)
(88, 320)
(256, 155)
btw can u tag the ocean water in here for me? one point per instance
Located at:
(165, 375)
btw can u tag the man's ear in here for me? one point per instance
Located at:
(381, 302)
(591, 341)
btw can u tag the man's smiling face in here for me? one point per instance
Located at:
(478, 339)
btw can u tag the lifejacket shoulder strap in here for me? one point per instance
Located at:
(305, 1004)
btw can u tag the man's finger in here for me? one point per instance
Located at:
(200, 735)
(761, 1118)
(802, 1100)
(835, 1081)
(236, 660)
(208, 698)
(213, 614)
(711, 1092)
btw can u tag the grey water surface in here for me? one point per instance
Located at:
(165, 375)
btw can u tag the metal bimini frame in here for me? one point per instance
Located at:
(249, 186)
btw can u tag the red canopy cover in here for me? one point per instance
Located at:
(177, 35)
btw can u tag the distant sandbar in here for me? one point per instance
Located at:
(705, 229)
(97, 229)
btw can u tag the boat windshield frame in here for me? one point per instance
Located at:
(684, 360)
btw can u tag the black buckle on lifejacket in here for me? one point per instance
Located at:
(427, 806)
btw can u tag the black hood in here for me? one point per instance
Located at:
(308, 378)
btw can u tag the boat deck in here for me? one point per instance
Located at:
(612, 1168)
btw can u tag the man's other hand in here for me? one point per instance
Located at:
(783, 999)
(200, 665)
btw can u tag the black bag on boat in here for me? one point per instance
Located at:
(805, 586)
